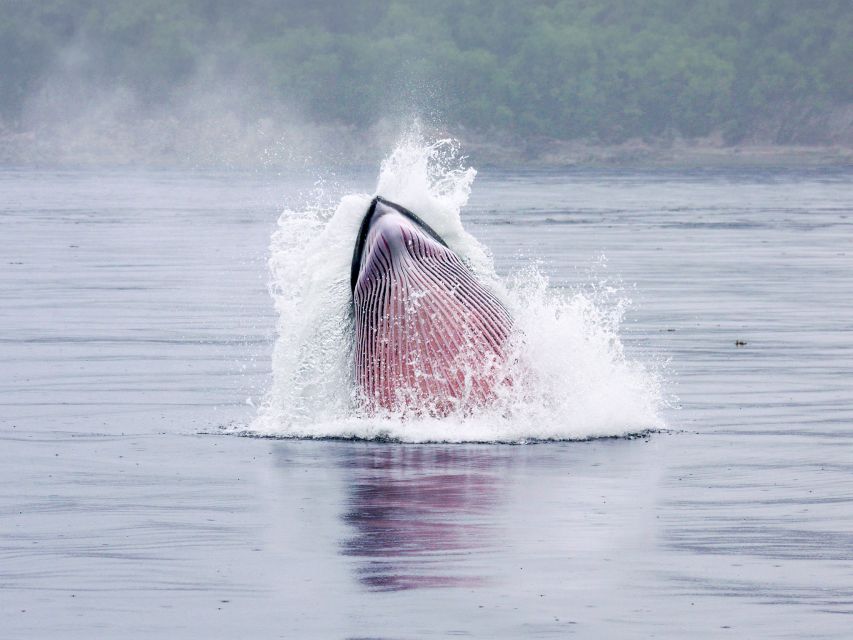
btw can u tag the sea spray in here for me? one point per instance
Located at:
(572, 378)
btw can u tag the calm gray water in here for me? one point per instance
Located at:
(134, 321)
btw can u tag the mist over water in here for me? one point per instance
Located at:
(211, 83)
(572, 378)
(212, 120)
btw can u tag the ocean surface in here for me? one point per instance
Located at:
(136, 338)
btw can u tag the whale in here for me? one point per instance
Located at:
(429, 337)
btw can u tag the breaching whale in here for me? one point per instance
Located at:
(429, 337)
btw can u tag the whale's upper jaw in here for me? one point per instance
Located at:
(378, 214)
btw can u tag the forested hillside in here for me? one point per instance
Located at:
(602, 70)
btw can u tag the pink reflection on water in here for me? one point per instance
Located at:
(421, 517)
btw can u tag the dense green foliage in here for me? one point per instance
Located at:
(601, 69)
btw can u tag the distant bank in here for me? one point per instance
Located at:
(228, 143)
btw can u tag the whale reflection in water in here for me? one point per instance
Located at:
(421, 516)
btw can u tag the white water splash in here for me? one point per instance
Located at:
(574, 379)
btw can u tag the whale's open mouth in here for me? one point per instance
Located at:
(428, 336)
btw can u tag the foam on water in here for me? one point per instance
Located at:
(572, 377)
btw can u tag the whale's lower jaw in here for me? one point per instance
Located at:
(429, 337)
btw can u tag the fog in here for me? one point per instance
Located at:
(293, 83)
(210, 120)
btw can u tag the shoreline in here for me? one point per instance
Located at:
(681, 155)
(340, 149)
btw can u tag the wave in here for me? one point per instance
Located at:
(576, 381)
